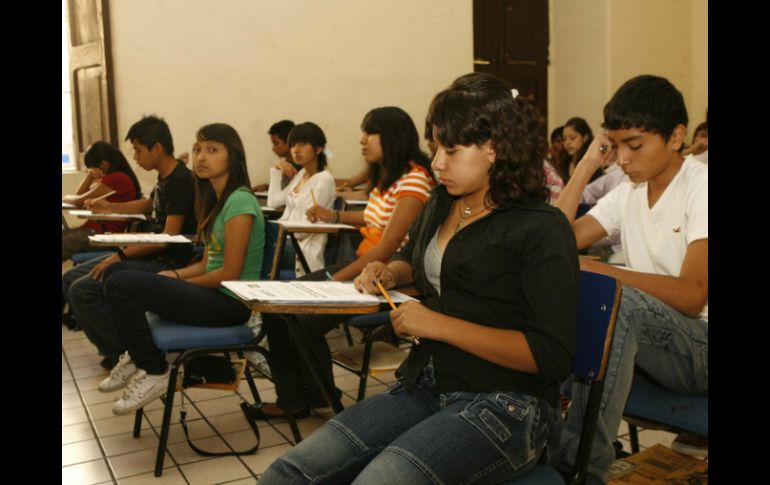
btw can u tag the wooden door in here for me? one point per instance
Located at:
(510, 40)
(93, 103)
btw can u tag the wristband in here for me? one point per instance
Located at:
(177, 274)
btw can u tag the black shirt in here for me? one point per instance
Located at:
(175, 195)
(515, 268)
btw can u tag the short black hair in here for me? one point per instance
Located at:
(701, 127)
(646, 102)
(151, 130)
(281, 129)
(557, 132)
(309, 132)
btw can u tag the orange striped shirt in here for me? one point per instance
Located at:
(416, 183)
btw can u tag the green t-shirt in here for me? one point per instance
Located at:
(241, 201)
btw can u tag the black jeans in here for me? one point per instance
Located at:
(301, 390)
(129, 294)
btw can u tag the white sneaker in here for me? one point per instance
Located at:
(119, 375)
(141, 390)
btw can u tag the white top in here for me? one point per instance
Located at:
(323, 187)
(655, 240)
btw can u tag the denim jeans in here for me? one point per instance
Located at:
(86, 298)
(421, 438)
(670, 346)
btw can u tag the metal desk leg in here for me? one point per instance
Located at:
(302, 342)
(298, 250)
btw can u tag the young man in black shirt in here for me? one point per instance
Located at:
(172, 202)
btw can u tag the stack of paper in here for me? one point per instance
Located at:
(143, 238)
(315, 292)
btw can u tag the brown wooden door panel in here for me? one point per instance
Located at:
(93, 105)
(511, 41)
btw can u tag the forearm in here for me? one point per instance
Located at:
(403, 272)
(212, 279)
(141, 206)
(570, 196)
(193, 270)
(85, 184)
(378, 253)
(506, 348)
(354, 218)
(683, 294)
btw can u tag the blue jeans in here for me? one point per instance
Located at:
(86, 298)
(421, 438)
(129, 294)
(670, 346)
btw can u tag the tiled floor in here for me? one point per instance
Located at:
(98, 447)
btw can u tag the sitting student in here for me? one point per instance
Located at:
(307, 142)
(556, 150)
(577, 138)
(699, 149)
(279, 133)
(171, 200)
(475, 400)
(108, 171)
(400, 181)
(233, 228)
(662, 217)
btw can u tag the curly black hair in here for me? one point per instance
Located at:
(478, 107)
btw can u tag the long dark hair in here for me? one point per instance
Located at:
(207, 206)
(581, 126)
(478, 107)
(101, 150)
(400, 145)
(309, 132)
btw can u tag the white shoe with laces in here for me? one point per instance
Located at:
(119, 375)
(142, 389)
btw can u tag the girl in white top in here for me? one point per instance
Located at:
(306, 142)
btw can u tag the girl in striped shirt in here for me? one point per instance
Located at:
(400, 182)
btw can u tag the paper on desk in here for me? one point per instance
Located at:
(318, 292)
(139, 238)
(67, 205)
(111, 215)
(298, 226)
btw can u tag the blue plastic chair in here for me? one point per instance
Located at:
(598, 309)
(651, 406)
(191, 341)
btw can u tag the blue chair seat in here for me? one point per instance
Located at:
(651, 402)
(171, 336)
(84, 256)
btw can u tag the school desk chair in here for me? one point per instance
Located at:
(192, 341)
(597, 311)
(651, 406)
(373, 356)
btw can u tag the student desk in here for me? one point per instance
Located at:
(66, 206)
(289, 311)
(118, 245)
(286, 228)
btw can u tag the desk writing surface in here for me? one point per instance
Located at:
(136, 238)
(307, 292)
(314, 226)
(360, 202)
(261, 193)
(106, 216)
(67, 205)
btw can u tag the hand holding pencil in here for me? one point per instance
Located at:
(415, 340)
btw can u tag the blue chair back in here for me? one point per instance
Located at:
(597, 311)
(286, 265)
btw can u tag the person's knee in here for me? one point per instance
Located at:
(395, 462)
(85, 290)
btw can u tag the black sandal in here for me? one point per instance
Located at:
(258, 413)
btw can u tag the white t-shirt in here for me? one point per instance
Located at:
(655, 240)
(323, 187)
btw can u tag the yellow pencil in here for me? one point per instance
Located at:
(313, 196)
(415, 340)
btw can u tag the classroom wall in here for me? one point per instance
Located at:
(597, 45)
(251, 63)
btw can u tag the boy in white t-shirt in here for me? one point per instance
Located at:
(661, 214)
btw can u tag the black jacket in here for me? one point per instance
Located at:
(515, 268)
